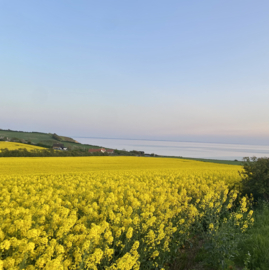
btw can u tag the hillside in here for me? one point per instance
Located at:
(43, 139)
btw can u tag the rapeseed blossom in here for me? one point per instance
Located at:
(16, 146)
(107, 212)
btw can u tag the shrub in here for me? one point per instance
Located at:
(255, 177)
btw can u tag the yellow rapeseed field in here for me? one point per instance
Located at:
(52, 165)
(107, 212)
(15, 146)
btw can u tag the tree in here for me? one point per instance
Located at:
(255, 177)
(56, 137)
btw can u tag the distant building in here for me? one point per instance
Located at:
(110, 151)
(97, 150)
(59, 146)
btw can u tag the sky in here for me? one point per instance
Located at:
(170, 70)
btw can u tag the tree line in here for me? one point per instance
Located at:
(50, 152)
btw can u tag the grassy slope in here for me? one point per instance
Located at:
(33, 137)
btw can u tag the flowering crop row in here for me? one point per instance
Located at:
(114, 219)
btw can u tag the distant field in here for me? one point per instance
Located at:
(34, 137)
(15, 146)
(228, 162)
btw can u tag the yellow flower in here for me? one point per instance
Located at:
(181, 221)
(238, 216)
(211, 226)
(129, 233)
(155, 254)
(71, 211)
(30, 246)
(9, 263)
(5, 244)
(135, 245)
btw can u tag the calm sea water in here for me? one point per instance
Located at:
(184, 149)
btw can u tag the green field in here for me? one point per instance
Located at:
(229, 162)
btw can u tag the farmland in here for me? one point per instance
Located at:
(109, 212)
(48, 165)
(15, 146)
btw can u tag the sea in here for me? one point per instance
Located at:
(219, 151)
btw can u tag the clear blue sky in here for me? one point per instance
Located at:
(179, 70)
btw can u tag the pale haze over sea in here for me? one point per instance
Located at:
(184, 149)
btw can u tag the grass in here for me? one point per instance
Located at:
(256, 244)
(34, 137)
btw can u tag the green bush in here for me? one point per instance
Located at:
(222, 240)
(255, 177)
